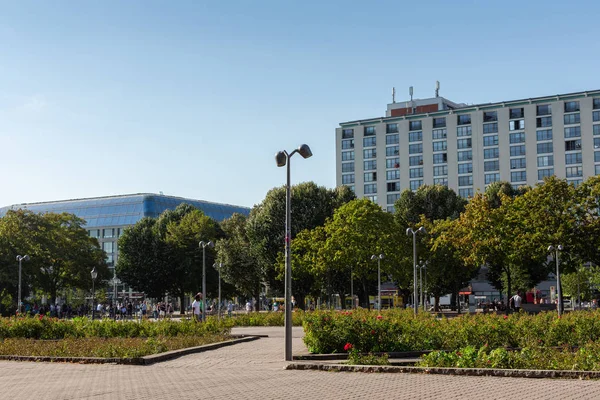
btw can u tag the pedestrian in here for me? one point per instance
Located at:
(229, 308)
(197, 307)
(155, 311)
(516, 301)
(248, 307)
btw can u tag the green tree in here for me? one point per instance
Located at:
(434, 202)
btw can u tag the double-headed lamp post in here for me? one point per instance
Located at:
(218, 268)
(20, 260)
(204, 244)
(410, 231)
(94, 276)
(558, 289)
(378, 258)
(283, 158)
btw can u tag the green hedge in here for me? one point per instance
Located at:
(266, 319)
(400, 330)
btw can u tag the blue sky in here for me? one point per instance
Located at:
(194, 98)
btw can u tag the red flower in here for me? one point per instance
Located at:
(506, 317)
(348, 346)
(372, 331)
(379, 317)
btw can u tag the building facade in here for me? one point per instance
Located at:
(467, 147)
(107, 217)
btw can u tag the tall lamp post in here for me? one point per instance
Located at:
(204, 245)
(282, 159)
(20, 260)
(378, 258)
(422, 267)
(410, 231)
(218, 268)
(94, 276)
(556, 249)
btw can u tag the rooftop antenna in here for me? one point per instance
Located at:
(161, 193)
(410, 92)
(437, 88)
(393, 95)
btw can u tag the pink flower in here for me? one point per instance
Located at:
(506, 317)
(348, 346)
(379, 317)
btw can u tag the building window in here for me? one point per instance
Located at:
(597, 156)
(572, 119)
(597, 143)
(348, 179)
(596, 116)
(465, 168)
(440, 146)
(441, 170)
(439, 122)
(439, 134)
(573, 172)
(464, 119)
(370, 176)
(597, 169)
(516, 125)
(348, 144)
(489, 178)
(543, 122)
(414, 125)
(369, 130)
(370, 141)
(392, 151)
(466, 155)
(490, 116)
(370, 165)
(347, 133)
(596, 104)
(575, 182)
(347, 155)
(95, 233)
(414, 185)
(491, 153)
(516, 113)
(369, 153)
(544, 110)
(573, 131)
(596, 129)
(543, 148)
(571, 145)
(489, 166)
(415, 136)
(490, 140)
(415, 160)
(392, 198)
(490, 128)
(544, 173)
(440, 158)
(391, 128)
(465, 193)
(393, 186)
(463, 143)
(545, 134)
(347, 167)
(391, 209)
(545, 161)
(518, 163)
(517, 150)
(415, 148)
(416, 172)
(392, 163)
(107, 247)
(392, 175)
(370, 188)
(440, 181)
(517, 137)
(372, 198)
(465, 180)
(463, 131)
(571, 106)
(108, 233)
(392, 139)
(519, 176)
(573, 158)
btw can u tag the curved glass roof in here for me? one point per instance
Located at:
(126, 209)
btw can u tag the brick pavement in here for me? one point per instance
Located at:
(255, 370)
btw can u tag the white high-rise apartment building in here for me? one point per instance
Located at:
(467, 147)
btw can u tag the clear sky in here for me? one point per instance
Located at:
(194, 98)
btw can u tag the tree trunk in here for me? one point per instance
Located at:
(437, 303)
(257, 297)
(182, 304)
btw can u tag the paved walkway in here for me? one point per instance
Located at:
(255, 370)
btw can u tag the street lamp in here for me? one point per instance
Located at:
(20, 259)
(203, 245)
(423, 266)
(410, 231)
(218, 268)
(282, 159)
(558, 289)
(94, 276)
(378, 258)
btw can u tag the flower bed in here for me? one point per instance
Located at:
(400, 330)
(266, 319)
